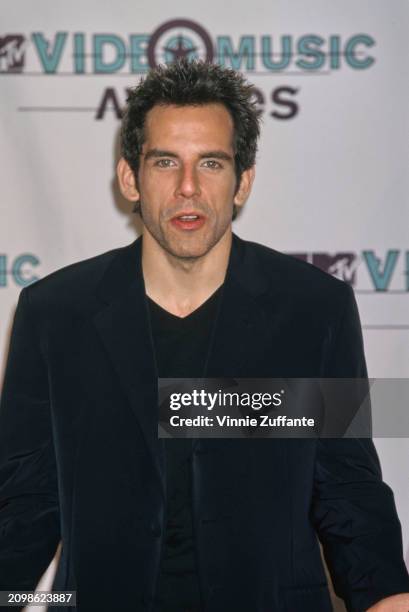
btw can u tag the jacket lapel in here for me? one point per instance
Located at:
(240, 325)
(123, 325)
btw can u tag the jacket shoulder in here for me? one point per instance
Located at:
(297, 276)
(74, 283)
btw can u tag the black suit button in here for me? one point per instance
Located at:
(155, 529)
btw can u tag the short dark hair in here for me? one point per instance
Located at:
(193, 82)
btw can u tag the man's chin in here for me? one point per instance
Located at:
(188, 252)
(189, 248)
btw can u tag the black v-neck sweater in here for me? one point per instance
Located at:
(181, 349)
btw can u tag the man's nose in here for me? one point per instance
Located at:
(188, 182)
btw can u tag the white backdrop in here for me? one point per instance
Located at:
(332, 181)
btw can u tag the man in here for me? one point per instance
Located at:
(176, 525)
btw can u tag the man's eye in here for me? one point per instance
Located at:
(211, 163)
(164, 163)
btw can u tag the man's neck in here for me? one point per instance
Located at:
(179, 285)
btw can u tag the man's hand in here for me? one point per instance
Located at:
(396, 603)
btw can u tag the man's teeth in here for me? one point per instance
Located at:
(189, 217)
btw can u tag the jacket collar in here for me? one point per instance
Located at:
(126, 269)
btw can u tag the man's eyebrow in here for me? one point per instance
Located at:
(158, 153)
(218, 154)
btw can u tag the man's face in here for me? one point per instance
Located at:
(186, 180)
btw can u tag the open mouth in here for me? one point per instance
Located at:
(188, 221)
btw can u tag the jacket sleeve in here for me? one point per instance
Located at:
(353, 510)
(29, 512)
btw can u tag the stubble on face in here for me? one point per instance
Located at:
(187, 184)
(190, 246)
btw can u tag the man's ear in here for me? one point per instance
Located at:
(246, 183)
(126, 180)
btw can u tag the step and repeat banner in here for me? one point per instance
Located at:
(332, 178)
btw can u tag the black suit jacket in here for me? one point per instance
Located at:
(80, 459)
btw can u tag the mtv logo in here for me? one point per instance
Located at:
(12, 48)
(340, 265)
